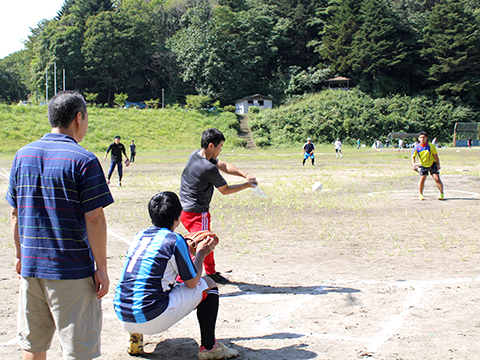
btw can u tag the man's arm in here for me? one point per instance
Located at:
(97, 238)
(16, 240)
(233, 170)
(108, 150)
(203, 249)
(437, 160)
(124, 152)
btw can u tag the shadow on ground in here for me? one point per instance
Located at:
(186, 348)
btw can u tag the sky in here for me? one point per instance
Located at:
(18, 16)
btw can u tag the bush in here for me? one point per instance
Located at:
(253, 109)
(152, 103)
(229, 108)
(198, 102)
(262, 142)
(120, 99)
(240, 142)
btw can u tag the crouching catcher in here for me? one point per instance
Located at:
(148, 300)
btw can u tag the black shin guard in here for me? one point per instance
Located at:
(207, 312)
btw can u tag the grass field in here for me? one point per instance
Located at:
(360, 270)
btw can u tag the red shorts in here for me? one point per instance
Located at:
(194, 222)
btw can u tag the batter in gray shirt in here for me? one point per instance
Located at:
(198, 179)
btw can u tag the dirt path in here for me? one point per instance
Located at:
(245, 132)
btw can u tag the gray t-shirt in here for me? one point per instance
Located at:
(198, 179)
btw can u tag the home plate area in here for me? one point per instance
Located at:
(340, 320)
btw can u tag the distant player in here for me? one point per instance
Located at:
(358, 144)
(429, 163)
(401, 145)
(133, 151)
(338, 148)
(308, 151)
(117, 149)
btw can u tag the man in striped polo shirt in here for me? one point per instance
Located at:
(57, 191)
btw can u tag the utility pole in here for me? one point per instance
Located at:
(46, 84)
(163, 103)
(55, 78)
(63, 79)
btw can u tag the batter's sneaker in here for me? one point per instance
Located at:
(441, 197)
(420, 197)
(135, 344)
(219, 351)
(219, 279)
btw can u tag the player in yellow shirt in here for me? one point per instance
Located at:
(429, 163)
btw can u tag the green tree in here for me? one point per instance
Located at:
(230, 55)
(383, 50)
(11, 87)
(451, 47)
(341, 25)
(114, 45)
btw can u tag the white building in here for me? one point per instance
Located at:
(260, 101)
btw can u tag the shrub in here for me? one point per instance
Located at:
(229, 108)
(198, 102)
(253, 109)
(152, 103)
(240, 142)
(262, 142)
(120, 99)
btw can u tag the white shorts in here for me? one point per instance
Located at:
(182, 301)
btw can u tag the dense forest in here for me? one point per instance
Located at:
(228, 49)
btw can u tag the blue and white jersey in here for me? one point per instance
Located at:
(154, 259)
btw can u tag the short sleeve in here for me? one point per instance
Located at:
(93, 189)
(12, 188)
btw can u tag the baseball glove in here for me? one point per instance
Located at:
(194, 238)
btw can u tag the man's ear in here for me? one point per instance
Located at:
(211, 146)
(78, 118)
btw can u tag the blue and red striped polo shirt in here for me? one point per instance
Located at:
(53, 183)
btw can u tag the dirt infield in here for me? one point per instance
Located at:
(360, 270)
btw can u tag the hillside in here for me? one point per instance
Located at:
(152, 129)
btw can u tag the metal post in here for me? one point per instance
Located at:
(55, 78)
(46, 84)
(163, 92)
(63, 79)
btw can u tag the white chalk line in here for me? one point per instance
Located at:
(6, 175)
(390, 327)
(114, 234)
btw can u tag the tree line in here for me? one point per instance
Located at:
(229, 49)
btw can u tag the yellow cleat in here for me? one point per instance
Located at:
(420, 197)
(135, 344)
